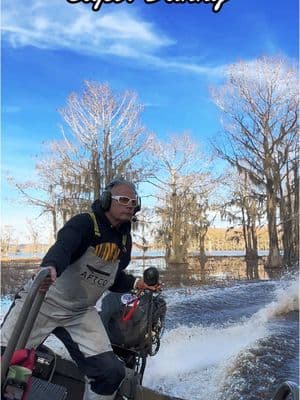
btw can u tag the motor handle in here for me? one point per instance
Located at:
(151, 276)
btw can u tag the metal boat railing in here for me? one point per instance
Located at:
(25, 321)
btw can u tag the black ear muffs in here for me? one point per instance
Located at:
(105, 200)
(138, 207)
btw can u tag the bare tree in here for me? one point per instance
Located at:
(33, 235)
(107, 128)
(64, 172)
(105, 139)
(259, 104)
(142, 232)
(7, 239)
(244, 210)
(201, 218)
(182, 181)
(289, 207)
(38, 194)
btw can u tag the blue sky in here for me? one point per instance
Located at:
(170, 54)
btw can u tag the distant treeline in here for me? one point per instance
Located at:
(216, 239)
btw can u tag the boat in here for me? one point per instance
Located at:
(54, 377)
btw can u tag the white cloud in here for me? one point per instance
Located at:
(58, 24)
(213, 71)
(122, 33)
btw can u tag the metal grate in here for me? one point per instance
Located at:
(43, 390)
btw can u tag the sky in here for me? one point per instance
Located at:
(170, 53)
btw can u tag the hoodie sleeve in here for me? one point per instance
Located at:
(123, 282)
(72, 240)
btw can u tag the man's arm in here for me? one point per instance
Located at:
(126, 282)
(123, 282)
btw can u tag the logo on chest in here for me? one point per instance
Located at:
(107, 251)
(95, 277)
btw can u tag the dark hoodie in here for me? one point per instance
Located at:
(78, 234)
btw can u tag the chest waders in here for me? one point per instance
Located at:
(70, 303)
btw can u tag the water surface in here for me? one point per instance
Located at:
(227, 340)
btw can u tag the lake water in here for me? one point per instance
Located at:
(228, 343)
(225, 340)
(149, 253)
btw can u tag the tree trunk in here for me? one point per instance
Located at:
(252, 253)
(54, 223)
(286, 221)
(250, 240)
(202, 255)
(274, 259)
(295, 220)
(95, 166)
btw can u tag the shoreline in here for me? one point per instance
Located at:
(29, 263)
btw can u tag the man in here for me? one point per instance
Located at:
(89, 257)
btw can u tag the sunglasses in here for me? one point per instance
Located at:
(124, 200)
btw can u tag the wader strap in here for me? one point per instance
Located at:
(97, 230)
(96, 227)
(124, 240)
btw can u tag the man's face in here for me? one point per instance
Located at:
(120, 213)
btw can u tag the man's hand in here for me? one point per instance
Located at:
(141, 285)
(51, 278)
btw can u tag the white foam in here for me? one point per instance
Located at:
(287, 300)
(193, 361)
